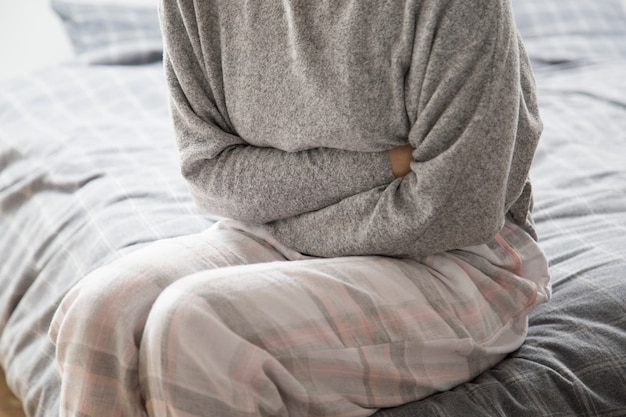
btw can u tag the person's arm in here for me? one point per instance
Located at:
(475, 131)
(227, 176)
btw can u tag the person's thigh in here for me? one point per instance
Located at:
(327, 337)
(98, 326)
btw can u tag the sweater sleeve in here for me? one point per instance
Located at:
(475, 130)
(226, 175)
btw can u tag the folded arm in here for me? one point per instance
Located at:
(226, 175)
(475, 130)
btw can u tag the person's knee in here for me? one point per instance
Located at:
(198, 335)
(181, 337)
(107, 298)
(201, 311)
(178, 309)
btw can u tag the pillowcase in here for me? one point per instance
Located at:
(112, 31)
(565, 31)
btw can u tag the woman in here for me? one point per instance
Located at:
(371, 159)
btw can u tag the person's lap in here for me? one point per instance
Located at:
(237, 325)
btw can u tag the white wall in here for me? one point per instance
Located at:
(31, 37)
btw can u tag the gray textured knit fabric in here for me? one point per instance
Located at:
(284, 110)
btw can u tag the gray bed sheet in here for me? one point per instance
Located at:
(88, 173)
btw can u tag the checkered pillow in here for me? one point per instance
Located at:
(110, 31)
(561, 31)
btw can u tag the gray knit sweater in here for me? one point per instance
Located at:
(284, 110)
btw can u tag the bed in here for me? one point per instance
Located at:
(89, 172)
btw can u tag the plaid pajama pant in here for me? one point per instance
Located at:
(230, 322)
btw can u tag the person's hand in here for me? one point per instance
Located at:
(400, 158)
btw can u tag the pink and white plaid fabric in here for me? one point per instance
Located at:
(230, 322)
